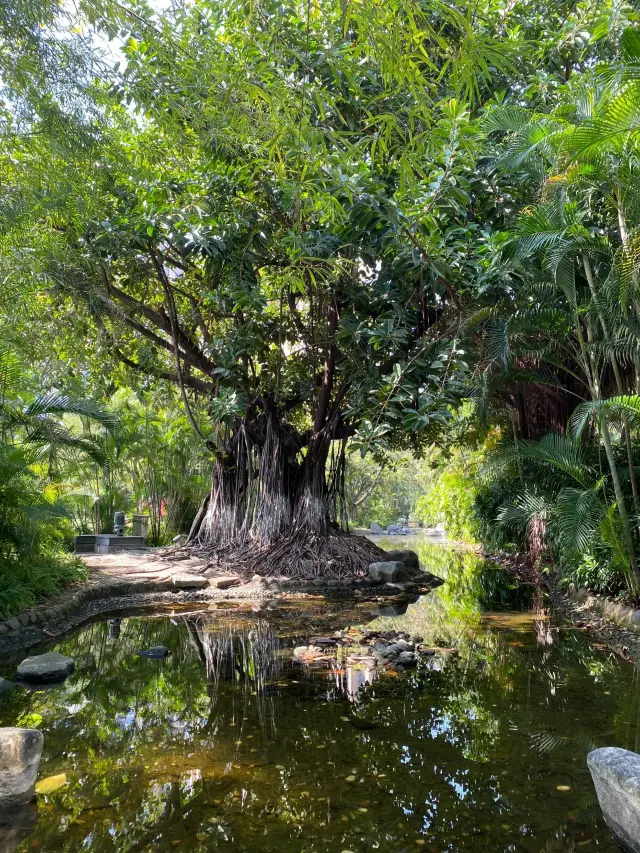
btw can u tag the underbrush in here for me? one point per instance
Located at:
(26, 580)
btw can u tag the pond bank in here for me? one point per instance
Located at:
(597, 615)
(71, 609)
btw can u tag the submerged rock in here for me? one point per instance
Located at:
(310, 654)
(375, 528)
(324, 641)
(616, 776)
(390, 571)
(363, 724)
(5, 685)
(154, 652)
(20, 751)
(49, 667)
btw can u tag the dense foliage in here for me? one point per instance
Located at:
(322, 227)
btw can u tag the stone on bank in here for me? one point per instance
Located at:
(616, 776)
(390, 571)
(409, 558)
(20, 751)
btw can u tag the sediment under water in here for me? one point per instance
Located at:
(228, 745)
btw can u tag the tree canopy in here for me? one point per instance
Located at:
(327, 224)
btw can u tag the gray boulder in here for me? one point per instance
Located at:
(395, 530)
(390, 571)
(409, 558)
(375, 528)
(407, 659)
(51, 666)
(20, 751)
(616, 776)
(5, 685)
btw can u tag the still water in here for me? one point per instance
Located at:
(227, 745)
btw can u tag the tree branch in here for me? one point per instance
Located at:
(189, 381)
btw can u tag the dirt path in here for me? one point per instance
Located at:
(153, 565)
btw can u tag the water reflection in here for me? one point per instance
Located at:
(227, 745)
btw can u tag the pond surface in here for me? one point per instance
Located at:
(227, 745)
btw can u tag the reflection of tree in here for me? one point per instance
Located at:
(466, 751)
(246, 655)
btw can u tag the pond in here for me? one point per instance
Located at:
(228, 745)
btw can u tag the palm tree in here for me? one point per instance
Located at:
(577, 311)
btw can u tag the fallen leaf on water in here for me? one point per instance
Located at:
(51, 784)
(563, 787)
(350, 779)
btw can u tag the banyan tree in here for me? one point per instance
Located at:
(271, 207)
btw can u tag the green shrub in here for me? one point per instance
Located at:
(33, 534)
(25, 580)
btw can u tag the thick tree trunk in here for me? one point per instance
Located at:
(274, 504)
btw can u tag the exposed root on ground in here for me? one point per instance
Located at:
(330, 555)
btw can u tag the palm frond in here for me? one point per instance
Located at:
(53, 403)
(612, 409)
